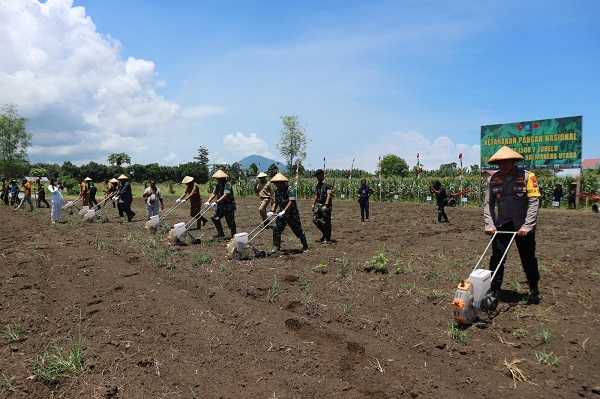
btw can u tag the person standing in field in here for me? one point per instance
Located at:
(41, 194)
(364, 193)
(285, 199)
(322, 207)
(441, 197)
(192, 193)
(92, 190)
(14, 193)
(224, 202)
(26, 196)
(512, 201)
(265, 192)
(153, 198)
(84, 192)
(125, 197)
(56, 199)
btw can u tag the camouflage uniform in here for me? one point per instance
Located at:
(225, 209)
(283, 196)
(322, 219)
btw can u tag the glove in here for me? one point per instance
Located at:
(178, 200)
(269, 214)
(116, 197)
(280, 214)
(214, 204)
(207, 203)
(183, 200)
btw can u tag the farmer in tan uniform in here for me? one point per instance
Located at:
(266, 194)
(192, 193)
(512, 201)
(84, 192)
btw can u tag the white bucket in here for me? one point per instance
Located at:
(154, 221)
(90, 215)
(241, 240)
(84, 210)
(482, 281)
(179, 229)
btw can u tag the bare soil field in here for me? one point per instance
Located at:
(158, 321)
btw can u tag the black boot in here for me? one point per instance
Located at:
(219, 227)
(304, 243)
(276, 245)
(534, 294)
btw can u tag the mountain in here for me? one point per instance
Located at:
(262, 163)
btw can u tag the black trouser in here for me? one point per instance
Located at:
(526, 247)
(40, 199)
(126, 208)
(442, 212)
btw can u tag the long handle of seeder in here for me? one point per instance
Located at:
(514, 234)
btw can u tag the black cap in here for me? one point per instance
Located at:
(319, 172)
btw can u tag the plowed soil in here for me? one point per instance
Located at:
(162, 321)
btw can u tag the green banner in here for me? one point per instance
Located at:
(545, 144)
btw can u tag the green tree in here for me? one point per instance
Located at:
(272, 171)
(448, 170)
(203, 164)
(252, 170)
(393, 165)
(119, 159)
(14, 141)
(292, 144)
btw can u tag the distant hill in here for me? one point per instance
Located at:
(262, 163)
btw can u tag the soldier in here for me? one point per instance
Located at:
(5, 191)
(265, 192)
(516, 195)
(224, 202)
(285, 199)
(321, 206)
(92, 191)
(192, 190)
(41, 194)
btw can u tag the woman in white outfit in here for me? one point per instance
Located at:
(56, 199)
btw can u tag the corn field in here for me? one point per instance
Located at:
(413, 190)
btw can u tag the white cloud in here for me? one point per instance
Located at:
(80, 96)
(243, 145)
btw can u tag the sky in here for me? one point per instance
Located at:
(158, 79)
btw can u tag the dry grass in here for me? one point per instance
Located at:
(516, 373)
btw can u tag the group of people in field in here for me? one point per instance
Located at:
(512, 201)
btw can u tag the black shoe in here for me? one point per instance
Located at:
(534, 298)
(321, 239)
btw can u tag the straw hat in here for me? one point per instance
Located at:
(113, 180)
(122, 177)
(279, 177)
(505, 153)
(261, 174)
(220, 174)
(87, 179)
(187, 179)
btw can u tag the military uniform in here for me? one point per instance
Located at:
(321, 217)
(84, 193)
(225, 209)
(517, 199)
(291, 217)
(41, 195)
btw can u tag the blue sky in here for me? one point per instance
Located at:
(158, 79)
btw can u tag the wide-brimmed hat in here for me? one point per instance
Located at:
(219, 174)
(505, 153)
(187, 179)
(261, 174)
(113, 180)
(319, 172)
(122, 177)
(279, 177)
(87, 179)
